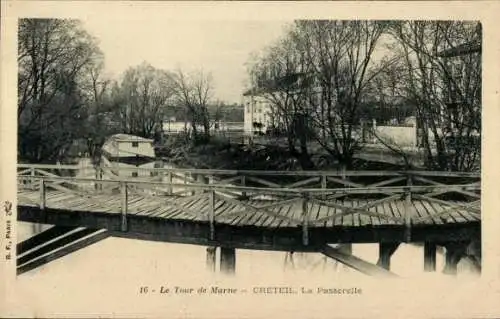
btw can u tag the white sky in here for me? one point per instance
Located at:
(220, 47)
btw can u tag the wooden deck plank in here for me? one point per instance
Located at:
(401, 208)
(59, 198)
(168, 211)
(323, 212)
(349, 220)
(431, 211)
(297, 214)
(356, 217)
(244, 219)
(76, 203)
(97, 204)
(164, 209)
(222, 211)
(244, 212)
(421, 212)
(387, 209)
(180, 214)
(134, 205)
(460, 215)
(272, 219)
(200, 207)
(250, 218)
(265, 219)
(239, 208)
(375, 219)
(158, 211)
(334, 211)
(218, 206)
(284, 211)
(294, 213)
(54, 196)
(446, 218)
(394, 209)
(466, 214)
(315, 212)
(149, 207)
(380, 209)
(469, 216)
(257, 219)
(363, 219)
(115, 206)
(146, 207)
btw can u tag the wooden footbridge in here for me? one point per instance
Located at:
(304, 211)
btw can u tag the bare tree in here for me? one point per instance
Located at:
(326, 67)
(102, 111)
(143, 96)
(194, 92)
(340, 54)
(281, 77)
(52, 107)
(446, 91)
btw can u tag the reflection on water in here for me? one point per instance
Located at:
(105, 279)
(173, 260)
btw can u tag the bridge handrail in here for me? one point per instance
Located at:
(201, 186)
(263, 172)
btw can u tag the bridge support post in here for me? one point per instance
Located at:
(169, 181)
(211, 258)
(124, 208)
(474, 254)
(323, 186)
(243, 182)
(386, 250)
(429, 256)
(99, 178)
(227, 260)
(201, 179)
(408, 207)
(32, 179)
(454, 253)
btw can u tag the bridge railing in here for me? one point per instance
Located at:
(263, 192)
(176, 179)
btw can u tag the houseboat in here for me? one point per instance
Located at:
(121, 153)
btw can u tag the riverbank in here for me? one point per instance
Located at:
(220, 154)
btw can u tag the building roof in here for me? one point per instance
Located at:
(129, 138)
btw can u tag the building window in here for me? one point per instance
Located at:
(135, 144)
(134, 174)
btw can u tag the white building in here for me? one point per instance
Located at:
(258, 102)
(128, 151)
(257, 110)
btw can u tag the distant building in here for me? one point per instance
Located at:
(128, 151)
(258, 112)
(259, 115)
